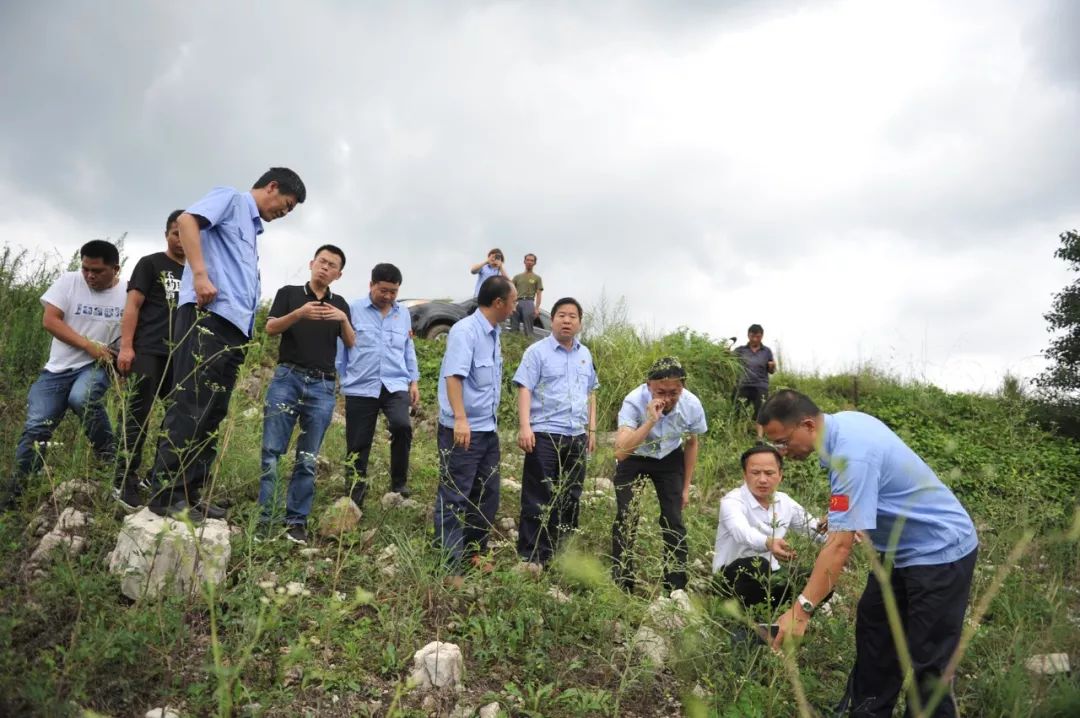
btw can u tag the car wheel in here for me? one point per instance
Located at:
(438, 332)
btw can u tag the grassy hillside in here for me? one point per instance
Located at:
(70, 641)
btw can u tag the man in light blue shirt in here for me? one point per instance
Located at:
(379, 374)
(469, 390)
(657, 440)
(557, 427)
(491, 267)
(881, 487)
(219, 294)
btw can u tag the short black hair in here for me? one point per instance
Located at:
(333, 250)
(789, 407)
(761, 448)
(530, 254)
(755, 329)
(497, 252)
(173, 216)
(567, 300)
(385, 272)
(288, 182)
(101, 249)
(497, 287)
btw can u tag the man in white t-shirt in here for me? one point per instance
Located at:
(750, 537)
(82, 312)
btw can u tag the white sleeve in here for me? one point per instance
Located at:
(734, 519)
(802, 522)
(59, 293)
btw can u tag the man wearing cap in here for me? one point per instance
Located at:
(530, 288)
(379, 374)
(557, 425)
(657, 440)
(310, 319)
(469, 390)
(923, 536)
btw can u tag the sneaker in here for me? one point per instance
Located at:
(297, 534)
(266, 532)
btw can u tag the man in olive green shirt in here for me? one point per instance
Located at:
(530, 288)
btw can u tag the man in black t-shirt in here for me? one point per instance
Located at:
(146, 343)
(310, 319)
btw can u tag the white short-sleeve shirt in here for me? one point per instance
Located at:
(95, 315)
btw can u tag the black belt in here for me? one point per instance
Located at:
(313, 373)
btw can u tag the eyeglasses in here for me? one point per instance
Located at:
(781, 444)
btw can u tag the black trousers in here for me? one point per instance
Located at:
(361, 415)
(667, 477)
(551, 484)
(205, 365)
(755, 395)
(150, 378)
(751, 581)
(932, 601)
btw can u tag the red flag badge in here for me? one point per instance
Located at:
(838, 502)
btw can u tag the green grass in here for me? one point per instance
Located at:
(70, 642)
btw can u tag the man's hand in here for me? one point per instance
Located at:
(332, 313)
(685, 496)
(124, 359)
(205, 291)
(780, 548)
(771, 366)
(590, 443)
(655, 410)
(536, 311)
(462, 433)
(792, 625)
(99, 351)
(309, 310)
(823, 525)
(414, 394)
(526, 439)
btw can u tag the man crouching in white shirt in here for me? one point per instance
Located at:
(754, 519)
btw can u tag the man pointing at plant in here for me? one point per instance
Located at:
(922, 534)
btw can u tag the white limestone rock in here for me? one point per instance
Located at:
(155, 554)
(437, 665)
(342, 517)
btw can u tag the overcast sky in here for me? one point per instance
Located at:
(872, 182)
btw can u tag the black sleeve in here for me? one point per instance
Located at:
(143, 276)
(280, 307)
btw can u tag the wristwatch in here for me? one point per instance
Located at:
(806, 605)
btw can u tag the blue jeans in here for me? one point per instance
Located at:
(80, 390)
(468, 495)
(293, 395)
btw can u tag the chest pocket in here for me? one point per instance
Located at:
(484, 368)
(394, 340)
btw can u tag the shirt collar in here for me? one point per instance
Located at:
(254, 209)
(366, 303)
(554, 343)
(482, 321)
(309, 290)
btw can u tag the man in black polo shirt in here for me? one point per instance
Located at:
(309, 318)
(146, 342)
(758, 362)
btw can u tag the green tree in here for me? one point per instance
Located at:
(1063, 376)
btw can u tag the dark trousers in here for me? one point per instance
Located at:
(551, 484)
(468, 494)
(205, 366)
(755, 395)
(150, 378)
(932, 601)
(361, 414)
(667, 477)
(752, 581)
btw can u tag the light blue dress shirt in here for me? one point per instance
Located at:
(878, 484)
(384, 353)
(666, 435)
(231, 253)
(560, 381)
(474, 353)
(486, 271)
